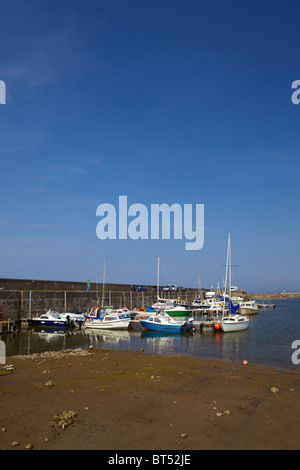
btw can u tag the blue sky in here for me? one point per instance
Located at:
(165, 101)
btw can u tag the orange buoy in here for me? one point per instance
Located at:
(217, 326)
(245, 362)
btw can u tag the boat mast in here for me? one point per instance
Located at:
(226, 274)
(199, 285)
(229, 267)
(158, 279)
(104, 279)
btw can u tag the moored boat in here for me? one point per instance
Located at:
(141, 313)
(234, 322)
(121, 312)
(74, 315)
(96, 312)
(52, 318)
(178, 311)
(107, 322)
(248, 307)
(162, 322)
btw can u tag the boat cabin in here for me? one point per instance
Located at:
(97, 312)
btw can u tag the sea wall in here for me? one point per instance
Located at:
(24, 298)
(272, 296)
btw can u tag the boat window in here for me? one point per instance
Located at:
(157, 320)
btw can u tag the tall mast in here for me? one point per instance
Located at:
(199, 285)
(229, 264)
(158, 279)
(104, 279)
(226, 274)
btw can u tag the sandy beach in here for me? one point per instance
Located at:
(127, 400)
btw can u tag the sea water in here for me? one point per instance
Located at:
(268, 340)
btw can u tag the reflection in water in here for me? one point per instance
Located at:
(107, 338)
(267, 341)
(160, 342)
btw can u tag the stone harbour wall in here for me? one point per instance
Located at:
(23, 298)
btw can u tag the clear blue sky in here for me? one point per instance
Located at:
(166, 101)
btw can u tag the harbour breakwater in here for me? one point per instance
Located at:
(26, 298)
(272, 296)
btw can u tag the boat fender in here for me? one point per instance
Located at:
(217, 326)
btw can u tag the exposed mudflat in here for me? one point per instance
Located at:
(127, 400)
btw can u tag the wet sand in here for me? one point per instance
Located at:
(128, 400)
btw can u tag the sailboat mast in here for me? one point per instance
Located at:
(158, 279)
(229, 264)
(104, 279)
(199, 285)
(226, 274)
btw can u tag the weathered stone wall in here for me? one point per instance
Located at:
(25, 298)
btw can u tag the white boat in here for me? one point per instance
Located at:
(121, 312)
(108, 321)
(163, 304)
(232, 321)
(248, 307)
(209, 302)
(74, 315)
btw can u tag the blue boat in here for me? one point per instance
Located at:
(162, 322)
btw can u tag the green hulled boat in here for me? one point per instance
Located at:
(178, 311)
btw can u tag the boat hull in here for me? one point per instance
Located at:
(248, 310)
(228, 325)
(121, 324)
(56, 323)
(179, 313)
(160, 327)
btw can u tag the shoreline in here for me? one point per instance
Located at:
(130, 400)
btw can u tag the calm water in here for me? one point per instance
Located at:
(268, 340)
